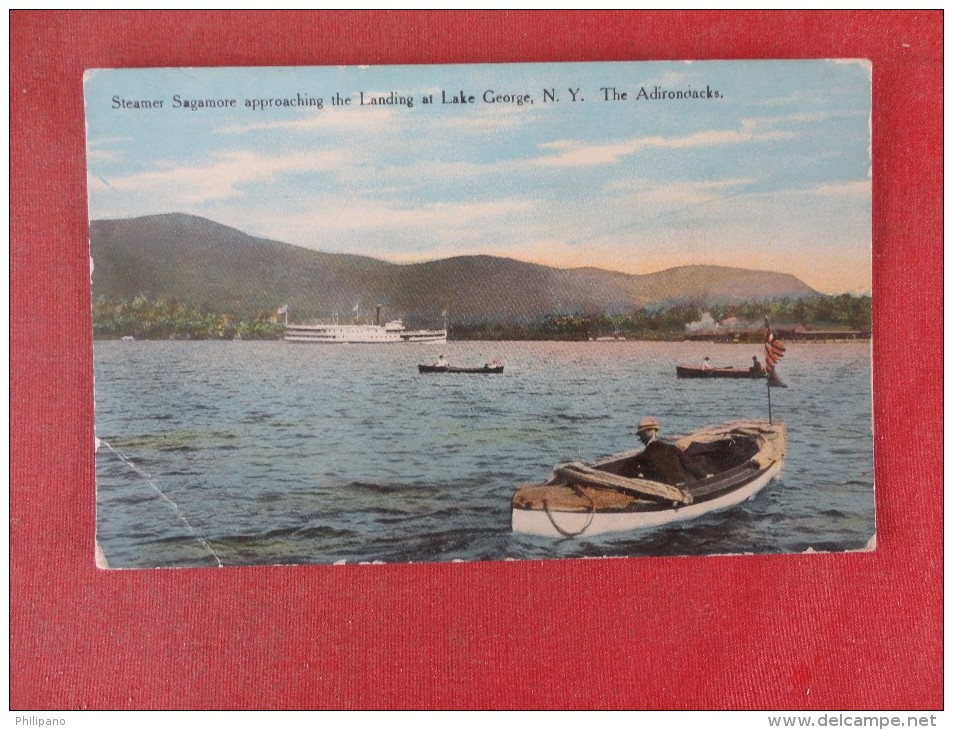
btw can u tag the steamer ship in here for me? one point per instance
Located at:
(392, 332)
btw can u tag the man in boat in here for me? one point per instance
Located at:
(441, 362)
(756, 366)
(661, 461)
(706, 364)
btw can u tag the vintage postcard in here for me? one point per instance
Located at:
(481, 312)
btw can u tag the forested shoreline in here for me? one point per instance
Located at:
(144, 318)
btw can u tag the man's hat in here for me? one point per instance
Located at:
(649, 424)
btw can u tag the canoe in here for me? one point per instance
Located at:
(738, 458)
(485, 370)
(696, 371)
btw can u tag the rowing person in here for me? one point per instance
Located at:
(441, 362)
(756, 366)
(662, 461)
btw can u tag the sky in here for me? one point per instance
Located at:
(759, 164)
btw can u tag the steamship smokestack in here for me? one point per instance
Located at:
(377, 317)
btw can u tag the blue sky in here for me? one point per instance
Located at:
(774, 174)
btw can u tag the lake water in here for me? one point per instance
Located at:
(253, 453)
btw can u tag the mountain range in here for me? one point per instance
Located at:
(196, 261)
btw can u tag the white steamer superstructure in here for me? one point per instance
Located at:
(392, 332)
(361, 334)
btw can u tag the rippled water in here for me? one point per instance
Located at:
(269, 452)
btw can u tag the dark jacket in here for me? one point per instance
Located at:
(664, 462)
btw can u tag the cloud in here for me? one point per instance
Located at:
(393, 230)
(492, 118)
(755, 125)
(223, 176)
(96, 184)
(681, 191)
(95, 151)
(381, 121)
(335, 119)
(362, 214)
(94, 155)
(859, 188)
(572, 153)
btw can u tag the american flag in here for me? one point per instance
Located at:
(773, 348)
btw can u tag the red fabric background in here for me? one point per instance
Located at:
(805, 631)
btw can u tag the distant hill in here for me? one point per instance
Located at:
(193, 260)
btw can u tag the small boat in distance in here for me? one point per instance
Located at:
(738, 458)
(698, 371)
(488, 369)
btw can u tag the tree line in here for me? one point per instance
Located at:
(145, 318)
(842, 311)
(149, 319)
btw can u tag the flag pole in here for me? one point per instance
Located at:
(773, 351)
(768, 364)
